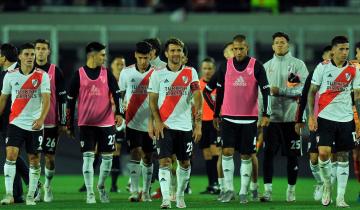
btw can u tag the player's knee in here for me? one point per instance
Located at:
(136, 153)
(11, 155)
(342, 156)
(314, 158)
(245, 157)
(165, 162)
(34, 159)
(228, 151)
(147, 159)
(185, 163)
(207, 154)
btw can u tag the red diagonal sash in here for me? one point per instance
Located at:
(182, 80)
(136, 100)
(345, 78)
(30, 85)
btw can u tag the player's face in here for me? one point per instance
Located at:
(118, 64)
(100, 57)
(42, 51)
(142, 60)
(2, 60)
(27, 57)
(280, 46)
(207, 70)
(357, 54)
(240, 50)
(174, 54)
(228, 52)
(326, 55)
(341, 52)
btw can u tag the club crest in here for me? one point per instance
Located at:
(347, 76)
(185, 79)
(34, 82)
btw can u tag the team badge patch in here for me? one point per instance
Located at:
(347, 76)
(34, 82)
(185, 79)
(317, 139)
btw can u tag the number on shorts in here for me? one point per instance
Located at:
(40, 142)
(189, 148)
(295, 144)
(254, 143)
(50, 142)
(112, 141)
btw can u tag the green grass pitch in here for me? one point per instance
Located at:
(66, 196)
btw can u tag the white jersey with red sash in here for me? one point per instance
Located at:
(25, 91)
(174, 96)
(52, 116)
(135, 85)
(94, 103)
(335, 90)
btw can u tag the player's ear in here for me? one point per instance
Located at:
(166, 54)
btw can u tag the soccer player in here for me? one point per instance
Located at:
(170, 91)
(240, 78)
(155, 53)
(356, 150)
(29, 88)
(208, 142)
(334, 80)
(92, 85)
(117, 65)
(55, 122)
(286, 75)
(299, 125)
(134, 81)
(228, 50)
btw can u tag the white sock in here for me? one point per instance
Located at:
(342, 178)
(164, 179)
(253, 185)
(49, 174)
(105, 168)
(9, 174)
(245, 172)
(291, 187)
(268, 187)
(325, 171)
(334, 166)
(222, 184)
(315, 170)
(88, 171)
(135, 170)
(228, 169)
(147, 172)
(183, 177)
(173, 183)
(34, 176)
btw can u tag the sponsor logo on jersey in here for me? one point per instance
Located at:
(240, 82)
(94, 91)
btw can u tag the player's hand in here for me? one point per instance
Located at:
(313, 125)
(159, 129)
(275, 91)
(265, 121)
(197, 132)
(151, 130)
(216, 123)
(298, 127)
(62, 130)
(37, 124)
(118, 120)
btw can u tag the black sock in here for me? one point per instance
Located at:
(22, 169)
(268, 166)
(209, 171)
(96, 161)
(214, 170)
(292, 169)
(115, 170)
(17, 187)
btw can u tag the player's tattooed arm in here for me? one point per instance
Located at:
(357, 100)
(122, 103)
(311, 103)
(3, 100)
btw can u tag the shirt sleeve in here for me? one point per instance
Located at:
(303, 100)
(61, 95)
(195, 77)
(122, 81)
(45, 84)
(114, 89)
(262, 80)
(220, 89)
(6, 87)
(153, 83)
(317, 76)
(356, 81)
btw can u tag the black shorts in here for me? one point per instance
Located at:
(241, 137)
(120, 137)
(282, 135)
(50, 140)
(313, 143)
(140, 139)
(209, 135)
(103, 137)
(17, 136)
(175, 142)
(339, 135)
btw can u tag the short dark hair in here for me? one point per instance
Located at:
(281, 34)
(209, 60)
(118, 57)
(174, 41)
(9, 51)
(227, 45)
(94, 47)
(339, 40)
(239, 38)
(357, 45)
(25, 46)
(143, 47)
(155, 44)
(326, 49)
(42, 41)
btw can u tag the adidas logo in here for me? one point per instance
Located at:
(7, 176)
(246, 175)
(149, 173)
(166, 81)
(226, 170)
(16, 84)
(329, 75)
(240, 82)
(132, 80)
(133, 172)
(94, 91)
(343, 173)
(162, 180)
(296, 168)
